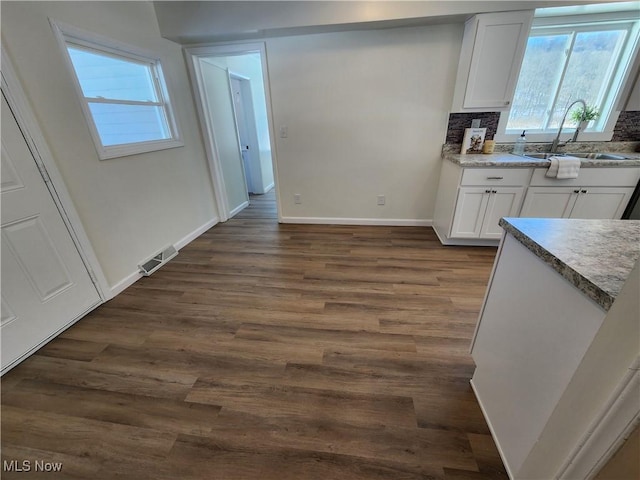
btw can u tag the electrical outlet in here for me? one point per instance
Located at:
(381, 199)
(284, 131)
(297, 198)
(475, 123)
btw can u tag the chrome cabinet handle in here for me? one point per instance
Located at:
(495, 178)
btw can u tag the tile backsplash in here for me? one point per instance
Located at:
(627, 128)
(459, 121)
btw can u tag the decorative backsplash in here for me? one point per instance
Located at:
(459, 121)
(627, 128)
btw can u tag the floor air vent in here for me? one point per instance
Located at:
(155, 262)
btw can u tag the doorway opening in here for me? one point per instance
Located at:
(234, 108)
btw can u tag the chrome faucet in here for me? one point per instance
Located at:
(556, 141)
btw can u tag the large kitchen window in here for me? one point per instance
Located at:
(123, 95)
(567, 58)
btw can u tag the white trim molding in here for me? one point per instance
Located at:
(238, 209)
(98, 44)
(388, 222)
(193, 55)
(611, 427)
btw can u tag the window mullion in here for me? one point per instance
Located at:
(554, 100)
(604, 95)
(123, 102)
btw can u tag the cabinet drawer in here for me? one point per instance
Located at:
(590, 177)
(496, 176)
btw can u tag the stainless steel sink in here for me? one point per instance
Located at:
(590, 155)
(542, 155)
(598, 156)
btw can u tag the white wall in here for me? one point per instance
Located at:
(132, 206)
(366, 114)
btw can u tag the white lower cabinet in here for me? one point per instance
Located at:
(601, 202)
(471, 200)
(576, 202)
(479, 209)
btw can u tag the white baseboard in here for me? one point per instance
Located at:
(495, 439)
(238, 209)
(196, 233)
(393, 222)
(469, 242)
(133, 277)
(269, 187)
(125, 283)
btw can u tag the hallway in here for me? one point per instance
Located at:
(261, 207)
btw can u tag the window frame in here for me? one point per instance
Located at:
(625, 68)
(69, 36)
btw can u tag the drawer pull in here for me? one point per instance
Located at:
(487, 191)
(576, 191)
(495, 178)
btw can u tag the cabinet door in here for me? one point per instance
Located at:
(498, 50)
(470, 209)
(549, 202)
(601, 202)
(503, 202)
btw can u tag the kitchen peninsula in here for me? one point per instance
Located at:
(557, 344)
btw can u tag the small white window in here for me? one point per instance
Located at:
(123, 93)
(569, 58)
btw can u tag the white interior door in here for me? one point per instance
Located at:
(243, 131)
(45, 284)
(219, 104)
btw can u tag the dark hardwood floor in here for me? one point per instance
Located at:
(267, 351)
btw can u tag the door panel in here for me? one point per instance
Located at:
(470, 208)
(503, 202)
(45, 284)
(601, 202)
(30, 243)
(549, 202)
(243, 133)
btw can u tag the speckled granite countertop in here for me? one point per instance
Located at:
(594, 255)
(514, 161)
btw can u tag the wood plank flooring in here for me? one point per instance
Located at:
(267, 351)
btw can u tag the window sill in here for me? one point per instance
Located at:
(549, 137)
(107, 153)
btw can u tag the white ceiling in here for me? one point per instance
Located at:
(190, 22)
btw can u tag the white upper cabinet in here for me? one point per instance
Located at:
(492, 51)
